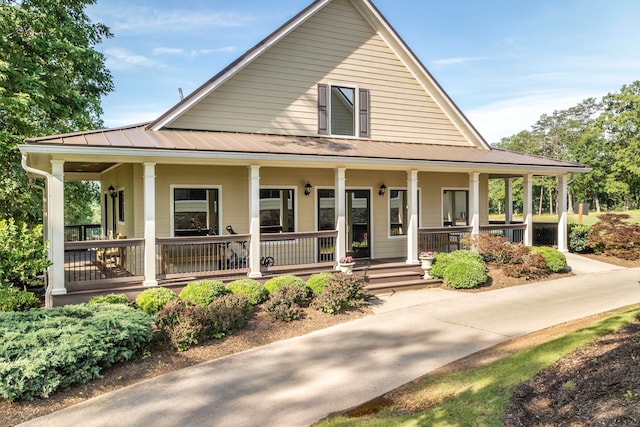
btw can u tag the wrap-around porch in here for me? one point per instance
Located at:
(406, 214)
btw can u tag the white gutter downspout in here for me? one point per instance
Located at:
(45, 197)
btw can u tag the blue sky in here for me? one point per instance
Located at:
(503, 62)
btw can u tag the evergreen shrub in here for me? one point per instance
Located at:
(555, 260)
(317, 282)
(152, 300)
(43, 351)
(579, 237)
(203, 292)
(22, 253)
(286, 280)
(250, 288)
(110, 299)
(13, 299)
(465, 273)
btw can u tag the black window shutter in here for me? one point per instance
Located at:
(323, 120)
(364, 114)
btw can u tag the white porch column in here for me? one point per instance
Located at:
(149, 188)
(254, 221)
(474, 201)
(56, 223)
(341, 210)
(412, 211)
(562, 213)
(527, 208)
(508, 200)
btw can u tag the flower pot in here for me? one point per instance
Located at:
(426, 266)
(347, 267)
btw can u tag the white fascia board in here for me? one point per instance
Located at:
(275, 38)
(418, 70)
(134, 155)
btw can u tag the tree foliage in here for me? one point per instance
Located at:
(51, 81)
(604, 135)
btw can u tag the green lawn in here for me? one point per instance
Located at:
(478, 396)
(590, 219)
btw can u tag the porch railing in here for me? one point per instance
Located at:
(545, 234)
(82, 232)
(512, 232)
(442, 239)
(201, 255)
(288, 249)
(113, 261)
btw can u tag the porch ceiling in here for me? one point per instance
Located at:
(183, 143)
(87, 167)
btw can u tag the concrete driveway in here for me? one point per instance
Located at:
(301, 380)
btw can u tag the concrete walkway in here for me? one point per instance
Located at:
(301, 380)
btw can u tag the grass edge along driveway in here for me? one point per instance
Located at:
(478, 396)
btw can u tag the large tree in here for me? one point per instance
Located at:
(51, 81)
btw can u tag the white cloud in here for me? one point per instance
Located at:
(132, 115)
(192, 53)
(457, 60)
(122, 58)
(167, 51)
(148, 20)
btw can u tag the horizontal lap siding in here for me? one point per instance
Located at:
(277, 92)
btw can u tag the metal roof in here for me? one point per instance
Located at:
(183, 141)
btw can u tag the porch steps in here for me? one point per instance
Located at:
(384, 277)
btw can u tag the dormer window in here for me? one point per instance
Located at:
(343, 111)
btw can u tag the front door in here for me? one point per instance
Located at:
(358, 223)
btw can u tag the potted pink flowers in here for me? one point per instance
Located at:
(345, 265)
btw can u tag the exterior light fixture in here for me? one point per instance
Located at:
(307, 189)
(112, 192)
(383, 190)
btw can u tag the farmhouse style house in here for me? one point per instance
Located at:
(327, 139)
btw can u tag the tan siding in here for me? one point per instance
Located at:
(277, 92)
(120, 177)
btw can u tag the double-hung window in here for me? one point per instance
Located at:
(277, 213)
(343, 111)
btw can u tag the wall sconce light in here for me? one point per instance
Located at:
(307, 189)
(112, 192)
(383, 190)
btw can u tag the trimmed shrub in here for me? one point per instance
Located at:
(250, 288)
(494, 248)
(612, 236)
(152, 300)
(22, 253)
(442, 259)
(183, 323)
(13, 299)
(343, 291)
(43, 351)
(465, 273)
(554, 259)
(287, 280)
(110, 299)
(578, 237)
(285, 303)
(228, 314)
(203, 292)
(317, 282)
